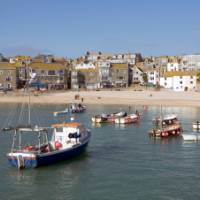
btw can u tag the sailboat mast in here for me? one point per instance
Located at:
(29, 107)
(161, 117)
(29, 99)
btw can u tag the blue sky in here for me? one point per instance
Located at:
(72, 27)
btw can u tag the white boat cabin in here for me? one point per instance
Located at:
(66, 135)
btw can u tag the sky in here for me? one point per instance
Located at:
(69, 28)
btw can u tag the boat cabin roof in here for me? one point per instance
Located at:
(32, 129)
(67, 124)
(169, 117)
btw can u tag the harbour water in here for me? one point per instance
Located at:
(121, 162)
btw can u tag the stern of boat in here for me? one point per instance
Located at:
(22, 160)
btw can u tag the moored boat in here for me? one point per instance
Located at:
(77, 108)
(196, 125)
(166, 127)
(191, 136)
(103, 118)
(68, 140)
(129, 119)
(65, 111)
(108, 118)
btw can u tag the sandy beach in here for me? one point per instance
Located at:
(166, 98)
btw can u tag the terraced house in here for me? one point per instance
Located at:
(85, 79)
(8, 76)
(120, 74)
(53, 76)
(179, 80)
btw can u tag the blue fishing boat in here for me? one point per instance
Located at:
(68, 140)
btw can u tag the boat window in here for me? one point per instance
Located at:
(59, 129)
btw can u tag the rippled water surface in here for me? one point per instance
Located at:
(121, 162)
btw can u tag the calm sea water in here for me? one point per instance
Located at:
(121, 162)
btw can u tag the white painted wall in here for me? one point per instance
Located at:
(153, 77)
(179, 83)
(173, 66)
(83, 65)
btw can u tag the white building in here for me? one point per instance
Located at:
(95, 56)
(153, 77)
(84, 65)
(104, 73)
(173, 66)
(137, 75)
(191, 61)
(129, 58)
(179, 80)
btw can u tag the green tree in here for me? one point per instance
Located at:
(145, 78)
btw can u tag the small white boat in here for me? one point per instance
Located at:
(191, 137)
(61, 112)
(77, 108)
(196, 125)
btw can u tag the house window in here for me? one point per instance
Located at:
(51, 72)
(9, 86)
(61, 71)
(8, 78)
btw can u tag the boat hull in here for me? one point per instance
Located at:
(99, 120)
(127, 120)
(191, 137)
(33, 161)
(165, 133)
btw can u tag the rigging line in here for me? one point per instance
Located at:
(10, 116)
(37, 116)
(22, 110)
